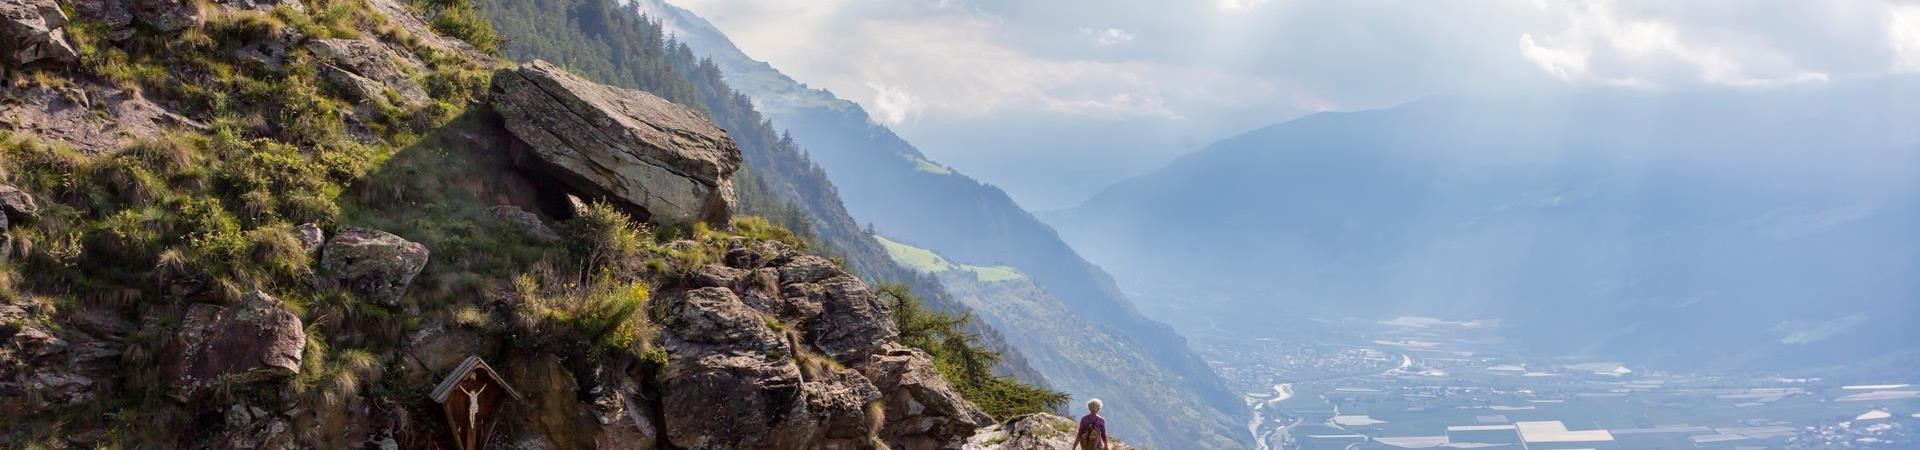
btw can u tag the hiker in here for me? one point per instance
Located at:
(1093, 429)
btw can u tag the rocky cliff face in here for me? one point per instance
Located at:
(333, 219)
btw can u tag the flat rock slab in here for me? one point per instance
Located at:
(641, 152)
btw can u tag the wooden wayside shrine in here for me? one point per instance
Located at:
(470, 397)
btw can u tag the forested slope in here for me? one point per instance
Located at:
(619, 46)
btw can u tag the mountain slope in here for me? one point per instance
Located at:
(887, 182)
(1734, 228)
(1081, 358)
(283, 225)
(606, 42)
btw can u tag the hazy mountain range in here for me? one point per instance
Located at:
(886, 182)
(1722, 228)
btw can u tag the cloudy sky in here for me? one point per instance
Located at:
(1055, 99)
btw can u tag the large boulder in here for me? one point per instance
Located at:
(366, 71)
(778, 349)
(732, 402)
(30, 31)
(844, 318)
(660, 160)
(166, 15)
(256, 340)
(853, 322)
(923, 410)
(733, 382)
(16, 204)
(747, 402)
(374, 264)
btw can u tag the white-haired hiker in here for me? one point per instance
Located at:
(1093, 429)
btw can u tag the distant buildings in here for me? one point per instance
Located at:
(1483, 434)
(1555, 435)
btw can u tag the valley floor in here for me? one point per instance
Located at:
(1342, 383)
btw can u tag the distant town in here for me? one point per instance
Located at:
(1423, 383)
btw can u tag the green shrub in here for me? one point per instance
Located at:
(760, 229)
(964, 360)
(276, 250)
(238, 28)
(461, 19)
(604, 315)
(601, 236)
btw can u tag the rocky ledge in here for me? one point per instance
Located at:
(1032, 431)
(754, 361)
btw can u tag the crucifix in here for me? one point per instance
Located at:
(471, 414)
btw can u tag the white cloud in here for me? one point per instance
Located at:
(893, 105)
(1149, 79)
(1238, 5)
(1599, 45)
(1563, 63)
(909, 63)
(1110, 36)
(1904, 34)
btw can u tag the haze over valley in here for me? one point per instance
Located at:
(960, 224)
(1587, 183)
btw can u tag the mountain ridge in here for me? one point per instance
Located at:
(1590, 203)
(887, 182)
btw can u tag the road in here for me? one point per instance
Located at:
(1285, 391)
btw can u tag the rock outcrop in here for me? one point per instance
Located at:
(734, 382)
(15, 206)
(374, 264)
(367, 71)
(311, 238)
(91, 118)
(119, 16)
(924, 411)
(663, 161)
(778, 349)
(255, 428)
(166, 15)
(1032, 431)
(256, 340)
(30, 31)
(43, 365)
(526, 221)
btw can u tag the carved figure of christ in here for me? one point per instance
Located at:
(473, 414)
